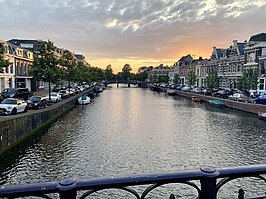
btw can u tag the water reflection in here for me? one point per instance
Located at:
(131, 131)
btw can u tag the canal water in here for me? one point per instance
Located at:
(126, 131)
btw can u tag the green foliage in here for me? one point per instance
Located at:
(177, 79)
(248, 81)
(142, 76)
(45, 64)
(3, 62)
(109, 72)
(153, 79)
(192, 77)
(163, 79)
(212, 80)
(68, 64)
(126, 71)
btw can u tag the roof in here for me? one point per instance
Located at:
(258, 37)
(219, 53)
(241, 48)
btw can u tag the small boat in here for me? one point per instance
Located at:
(170, 91)
(196, 99)
(262, 116)
(84, 99)
(217, 103)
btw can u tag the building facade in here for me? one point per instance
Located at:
(255, 52)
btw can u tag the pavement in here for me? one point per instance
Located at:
(42, 92)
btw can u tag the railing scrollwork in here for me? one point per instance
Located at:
(210, 181)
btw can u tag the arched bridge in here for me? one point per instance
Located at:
(128, 82)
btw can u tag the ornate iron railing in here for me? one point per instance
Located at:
(210, 181)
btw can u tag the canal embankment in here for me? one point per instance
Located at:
(243, 106)
(16, 128)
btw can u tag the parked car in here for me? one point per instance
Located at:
(207, 91)
(71, 91)
(179, 87)
(35, 102)
(260, 100)
(55, 97)
(16, 93)
(222, 93)
(13, 106)
(196, 90)
(64, 94)
(238, 97)
(1, 97)
(186, 88)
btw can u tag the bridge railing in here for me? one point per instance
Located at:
(209, 180)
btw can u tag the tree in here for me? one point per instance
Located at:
(3, 62)
(177, 79)
(192, 77)
(45, 65)
(69, 64)
(249, 81)
(109, 72)
(126, 71)
(142, 76)
(212, 80)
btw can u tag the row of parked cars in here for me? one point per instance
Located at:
(253, 96)
(17, 100)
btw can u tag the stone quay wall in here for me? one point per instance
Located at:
(16, 128)
(247, 107)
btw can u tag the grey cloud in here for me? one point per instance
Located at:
(81, 25)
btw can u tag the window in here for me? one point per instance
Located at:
(262, 68)
(261, 86)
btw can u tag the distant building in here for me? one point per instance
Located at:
(230, 63)
(158, 71)
(30, 44)
(17, 75)
(255, 53)
(183, 66)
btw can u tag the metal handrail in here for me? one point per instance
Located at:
(207, 176)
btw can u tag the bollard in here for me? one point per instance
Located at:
(208, 183)
(241, 194)
(67, 189)
(172, 196)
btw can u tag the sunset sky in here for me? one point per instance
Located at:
(137, 32)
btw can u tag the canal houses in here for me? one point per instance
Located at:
(229, 63)
(17, 74)
(255, 55)
(159, 73)
(184, 65)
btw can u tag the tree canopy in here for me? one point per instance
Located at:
(177, 79)
(126, 71)
(212, 80)
(248, 81)
(192, 77)
(45, 64)
(3, 62)
(109, 73)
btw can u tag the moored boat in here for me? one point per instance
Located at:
(217, 103)
(262, 116)
(196, 99)
(84, 100)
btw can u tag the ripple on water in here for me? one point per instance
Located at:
(133, 131)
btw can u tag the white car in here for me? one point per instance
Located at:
(55, 97)
(13, 106)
